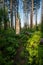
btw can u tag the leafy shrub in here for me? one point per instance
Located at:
(8, 47)
(32, 48)
(18, 49)
(12, 46)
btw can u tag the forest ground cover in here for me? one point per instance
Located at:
(20, 49)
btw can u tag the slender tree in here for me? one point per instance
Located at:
(17, 22)
(26, 9)
(1, 15)
(11, 9)
(31, 14)
(5, 16)
(36, 8)
(42, 18)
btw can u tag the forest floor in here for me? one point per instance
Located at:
(23, 49)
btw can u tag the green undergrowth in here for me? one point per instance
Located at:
(32, 49)
(10, 43)
(19, 49)
(8, 47)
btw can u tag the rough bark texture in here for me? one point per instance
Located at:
(31, 15)
(17, 25)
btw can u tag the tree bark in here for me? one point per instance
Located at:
(5, 22)
(31, 15)
(17, 21)
(17, 25)
(11, 8)
(42, 18)
(36, 18)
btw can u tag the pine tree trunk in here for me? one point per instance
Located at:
(11, 8)
(31, 20)
(36, 18)
(42, 18)
(5, 22)
(17, 22)
(31, 15)
(17, 25)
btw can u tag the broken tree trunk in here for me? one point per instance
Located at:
(17, 25)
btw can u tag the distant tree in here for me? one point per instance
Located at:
(31, 14)
(11, 11)
(28, 7)
(42, 17)
(36, 8)
(6, 19)
(1, 15)
(16, 13)
(26, 10)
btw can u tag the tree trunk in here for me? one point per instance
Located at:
(5, 23)
(36, 19)
(31, 20)
(42, 18)
(17, 21)
(11, 8)
(31, 15)
(17, 25)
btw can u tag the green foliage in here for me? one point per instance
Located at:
(4, 17)
(40, 53)
(19, 49)
(32, 48)
(1, 17)
(8, 47)
(10, 43)
(5, 12)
